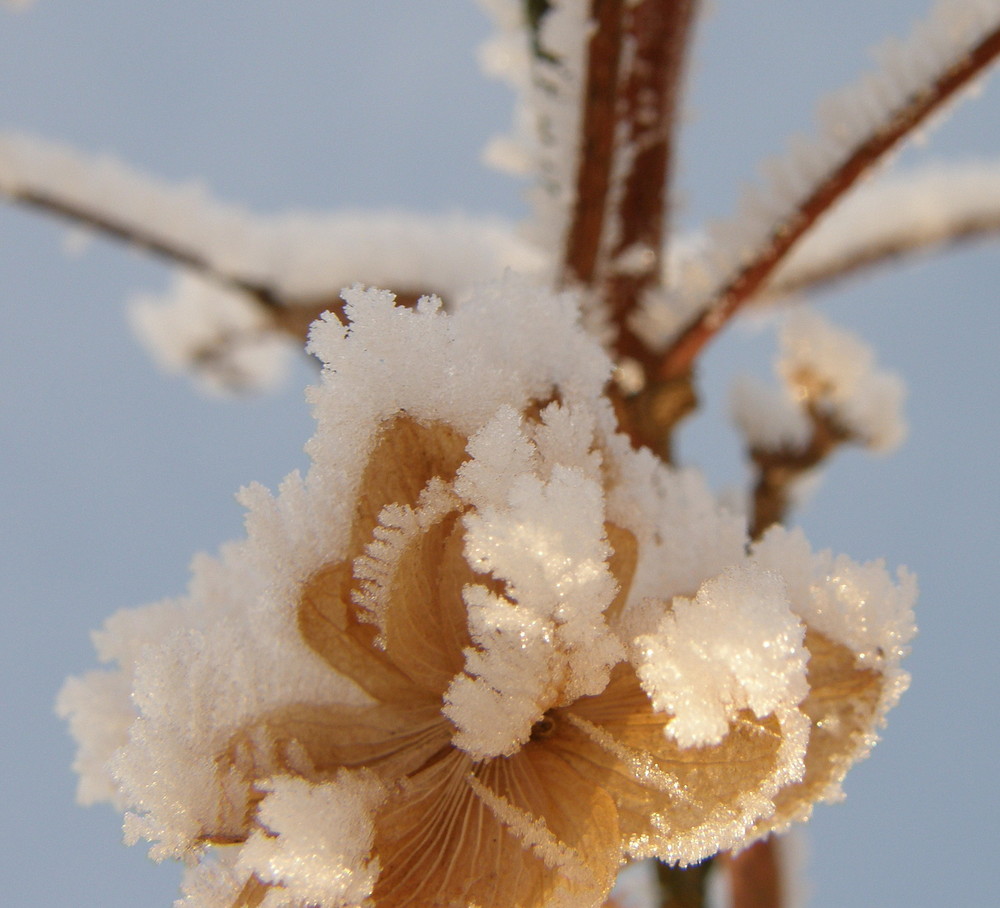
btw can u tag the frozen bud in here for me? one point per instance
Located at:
(835, 372)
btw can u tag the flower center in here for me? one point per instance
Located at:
(543, 728)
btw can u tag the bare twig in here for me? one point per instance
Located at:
(777, 470)
(852, 165)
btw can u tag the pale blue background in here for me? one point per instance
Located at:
(113, 476)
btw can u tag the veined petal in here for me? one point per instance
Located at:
(560, 816)
(392, 740)
(414, 582)
(406, 458)
(439, 845)
(517, 833)
(679, 804)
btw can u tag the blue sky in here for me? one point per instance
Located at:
(114, 476)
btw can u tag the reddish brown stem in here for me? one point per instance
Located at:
(614, 243)
(786, 233)
(651, 97)
(597, 143)
(755, 876)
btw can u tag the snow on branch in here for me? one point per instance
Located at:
(103, 195)
(859, 127)
(252, 282)
(892, 218)
(596, 125)
(286, 259)
(538, 49)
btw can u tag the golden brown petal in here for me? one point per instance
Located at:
(566, 820)
(842, 706)
(426, 628)
(438, 845)
(389, 739)
(441, 840)
(680, 804)
(328, 622)
(406, 457)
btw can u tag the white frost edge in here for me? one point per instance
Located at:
(301, 255)
(846, 118)
(544, 140)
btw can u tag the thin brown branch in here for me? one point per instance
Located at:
(290, 316)
(755, 876)
(597, 143)
(778, 470)
(651, 98)
(855, 163)
(252, 894)
(139, 237)
(287, 315)
(614, 243)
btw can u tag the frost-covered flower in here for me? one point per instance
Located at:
(484, 652)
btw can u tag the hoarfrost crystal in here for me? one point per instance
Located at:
(484, 651)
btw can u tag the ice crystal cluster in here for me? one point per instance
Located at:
(485, 651)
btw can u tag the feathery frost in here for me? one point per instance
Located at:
(484, 651)
(906, 70)
(546, 68)
(893, 216)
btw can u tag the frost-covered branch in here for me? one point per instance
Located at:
(635, 60)
(859, 128)
(294, 264)
(252, 282)
(662, 33)
(833, 394)
(108, 198)
(894, 218)
(598, 91)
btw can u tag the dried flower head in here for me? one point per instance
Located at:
(484, 652)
